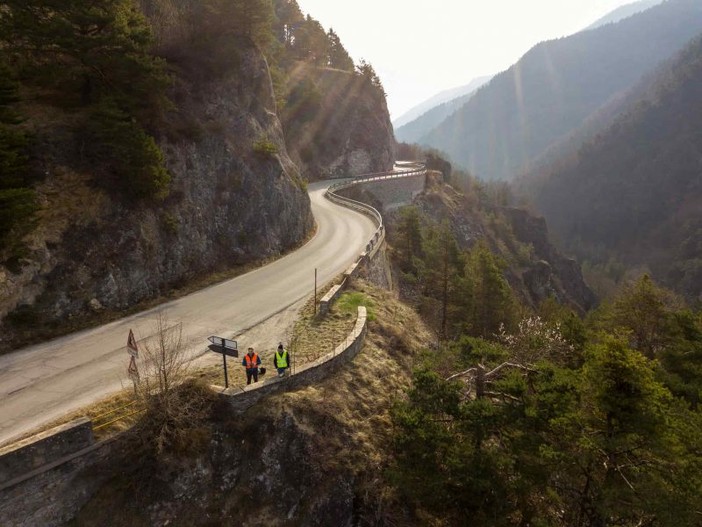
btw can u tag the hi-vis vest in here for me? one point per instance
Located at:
(281, 361)
(251, 361)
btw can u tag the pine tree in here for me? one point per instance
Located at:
(492, 302)
(254, 19)
(644, 309)
(440, 276)
(17, 200)
(338, 56)
(86, 50)
(366, 70)
(409, 246)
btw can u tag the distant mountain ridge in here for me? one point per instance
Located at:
(623, 12)
(413, 131)
(556, 86)
(638, 181)
(439, 99)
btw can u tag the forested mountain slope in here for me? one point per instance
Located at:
(556, 86)
(439, 99)
(623, 12)
(634, 192)
(412, 131)
(141, 148)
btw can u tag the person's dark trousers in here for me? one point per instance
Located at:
(251, 373)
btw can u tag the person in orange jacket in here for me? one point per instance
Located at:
(251, 362)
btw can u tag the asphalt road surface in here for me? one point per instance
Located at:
(40, 383)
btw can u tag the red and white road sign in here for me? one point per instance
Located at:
(132, 348)
(132, 370)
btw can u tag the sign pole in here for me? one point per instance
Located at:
(315, 291)
(225, 347)
(226, 377)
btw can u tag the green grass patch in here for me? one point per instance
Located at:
(349, 303)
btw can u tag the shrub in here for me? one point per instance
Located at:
(265, 148)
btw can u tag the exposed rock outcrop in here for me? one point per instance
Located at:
(337, 124)
(230, 203)
(552, 274)
(535, 269)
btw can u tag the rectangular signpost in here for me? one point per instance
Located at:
(225, 347)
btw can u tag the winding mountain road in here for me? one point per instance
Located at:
(42, 382)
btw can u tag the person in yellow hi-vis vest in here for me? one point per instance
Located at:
(281, 360)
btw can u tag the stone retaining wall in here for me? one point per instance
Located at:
(52, 494)
(34, 452)
(311, 373)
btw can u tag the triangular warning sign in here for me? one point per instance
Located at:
(132, 345)
(132, 370)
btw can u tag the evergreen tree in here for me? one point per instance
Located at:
(86, 50)
(253, 19)
(409, 240)
(645, 310)
(338, 56)
(311, 43)
(13, 142)
(440, 276)
(132, 156)
(288, 18)
(492, 302)
(616, 451)
(17, 200)
(366, 70)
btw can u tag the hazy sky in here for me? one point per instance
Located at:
(420, 47)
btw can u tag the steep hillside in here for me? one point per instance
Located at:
(337, 123)
(534, 269)
(437, 100)
(314, 456)
(414, 130)
(94, 250)
(154, 155)
(638, 182)
(556, 86)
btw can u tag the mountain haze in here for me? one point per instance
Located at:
(623, 12)
(638, 182)
(439, 99)
(414, 130)
(556, 86)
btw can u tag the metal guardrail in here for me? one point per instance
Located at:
(406, 169)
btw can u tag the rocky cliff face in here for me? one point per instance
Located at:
(236, 197)
(535, 269)
(337, 124)
(551, 273)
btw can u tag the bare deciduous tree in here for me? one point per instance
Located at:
(176, 404)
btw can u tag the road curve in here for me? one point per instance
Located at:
(42, 382)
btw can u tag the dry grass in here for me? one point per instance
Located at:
(110, 416)
(350, 411)
(314, 336)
